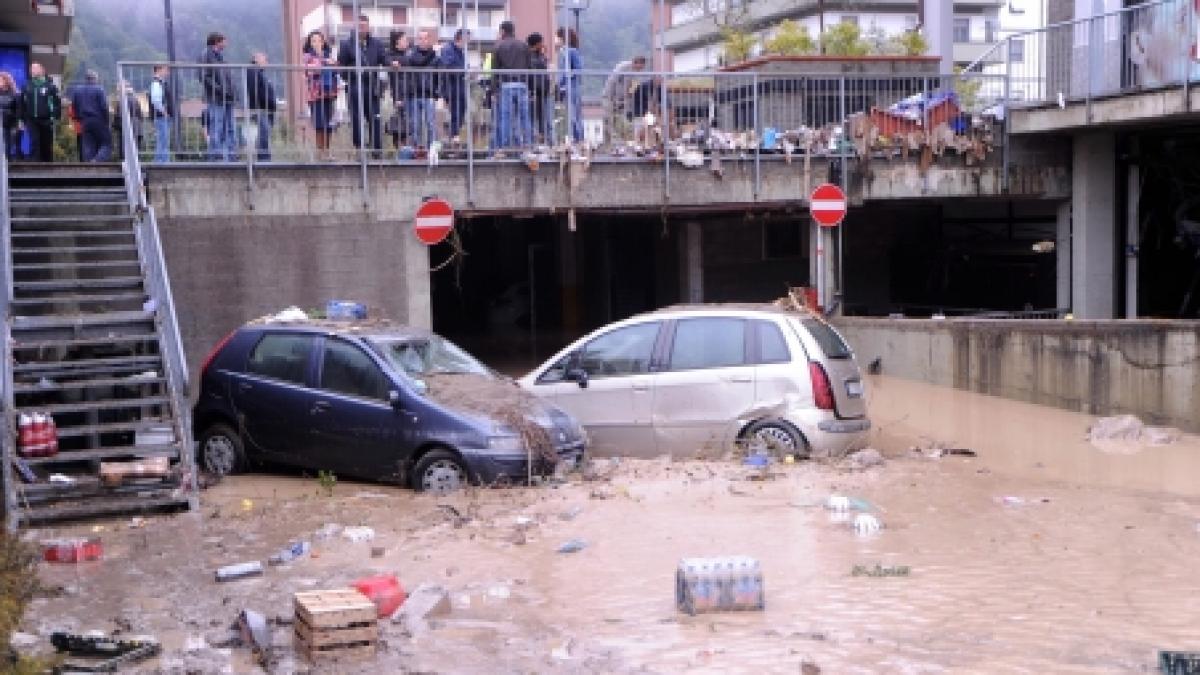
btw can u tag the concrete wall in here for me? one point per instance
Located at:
(1146, 368)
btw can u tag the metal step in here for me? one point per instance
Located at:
(73, 265)
(116, 452)
(54, 248)
(74, 284)
(38, 203)
(107, 404)
(35, 388)
(70, 299)
(99, 340)
(144, 424)
(74, 234)
(73, 320)
(96, 506)
(120, 362)
(79, 221)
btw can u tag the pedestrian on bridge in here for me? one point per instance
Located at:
(43, 110)
(91, 107)
(219, 96)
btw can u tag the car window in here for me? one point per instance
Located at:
(708, 343)
(282, 357)
(625, 351)
(346, 369)
(827, 338)
(772, 347)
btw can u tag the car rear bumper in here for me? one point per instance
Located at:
(500, 469)
(829, 436)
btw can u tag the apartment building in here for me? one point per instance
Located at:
(35, 30)
(693, 36)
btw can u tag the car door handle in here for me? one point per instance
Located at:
(641, 387)
(320, 407)
(245, 386)
(738, 378)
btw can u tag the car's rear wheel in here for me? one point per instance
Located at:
(221, 450)
(440, 472)
(775, 438)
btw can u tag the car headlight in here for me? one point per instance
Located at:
(506, 443)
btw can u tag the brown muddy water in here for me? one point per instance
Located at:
(1089, 566)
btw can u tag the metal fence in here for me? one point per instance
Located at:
(294, 114)
(1137, 48)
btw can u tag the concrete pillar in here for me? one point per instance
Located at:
(1094, 216)
(938, 27)
(1062, 251)
(1133, 192)
(691, 263)
(417, 288)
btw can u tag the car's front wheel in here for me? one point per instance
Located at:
(221, 450)
(440, 472)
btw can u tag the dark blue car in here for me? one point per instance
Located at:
(359, 401)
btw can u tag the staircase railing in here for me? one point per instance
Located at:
(158, 287)
(7, 428)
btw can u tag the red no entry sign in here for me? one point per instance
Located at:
(828, 205)
(434, 221)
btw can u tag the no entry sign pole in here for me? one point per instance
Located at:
(827, 203)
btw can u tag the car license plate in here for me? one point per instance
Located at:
(854, 388)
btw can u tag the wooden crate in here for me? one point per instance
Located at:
(340, 623)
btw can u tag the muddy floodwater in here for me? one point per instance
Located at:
(1040, 554)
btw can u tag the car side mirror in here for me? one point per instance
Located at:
(579, 376)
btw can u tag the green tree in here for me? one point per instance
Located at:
(966, 88)
(737, 45)
(844, 39)
(910, 43)
(791, 39)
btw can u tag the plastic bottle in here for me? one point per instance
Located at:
(25, 434)
(294, 550)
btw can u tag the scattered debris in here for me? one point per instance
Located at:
(880, 571)
(74, 550)
(19, 640)
(292, 551)
(113, 474)
(291, 314)
(426, 601)
(572, 546)
(571, 513)
(865, 523)
(1126, 434)
(335, 623)
(864, 459)
(719, 584)
(837, 502)
(240, 571)
(377, 551)
(114, 652)
(255, 632)
(327, 531)
(384, 591)
(358, 534)
(809, 668)
(563, 651)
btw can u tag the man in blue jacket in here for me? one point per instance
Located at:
(454, 57)
(91, 108)
(363, 92)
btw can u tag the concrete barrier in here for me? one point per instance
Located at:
(1146, 368)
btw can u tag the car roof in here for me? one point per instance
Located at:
(369, 328)
(726, 308)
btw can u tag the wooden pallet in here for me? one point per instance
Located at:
(340, 623)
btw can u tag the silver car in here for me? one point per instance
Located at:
(696, 380)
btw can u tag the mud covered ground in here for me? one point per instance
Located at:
(1026, 558)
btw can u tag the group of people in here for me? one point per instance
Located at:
(419, 73)
(221, 94)
(34, 110)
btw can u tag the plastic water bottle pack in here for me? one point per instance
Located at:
(732, 583)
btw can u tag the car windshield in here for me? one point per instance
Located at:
(424, 356)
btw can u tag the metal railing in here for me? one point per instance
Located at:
(8, 424)
(251, 115)
(1147, 46)
(158, 288)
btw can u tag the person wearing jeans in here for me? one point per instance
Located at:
(512, 108)
(454, 89)
(570, 86)
(262, 103)
(219, 96)
(422, 90)
(162, 110)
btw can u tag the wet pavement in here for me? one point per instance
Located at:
(1040, 554)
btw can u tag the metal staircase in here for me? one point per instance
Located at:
(91, 338)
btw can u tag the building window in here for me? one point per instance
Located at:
(1014, 7)
(990, 28)
(782, 239)
(910, 22)
(1016, 50)
(962, 30)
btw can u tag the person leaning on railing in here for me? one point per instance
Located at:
(617, 98)
(322, 90)
(570, 86)
(162, 111)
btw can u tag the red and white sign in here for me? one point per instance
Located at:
(828, 205)
(434, 221)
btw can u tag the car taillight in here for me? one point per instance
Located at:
(822, 392)
(216, 350)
